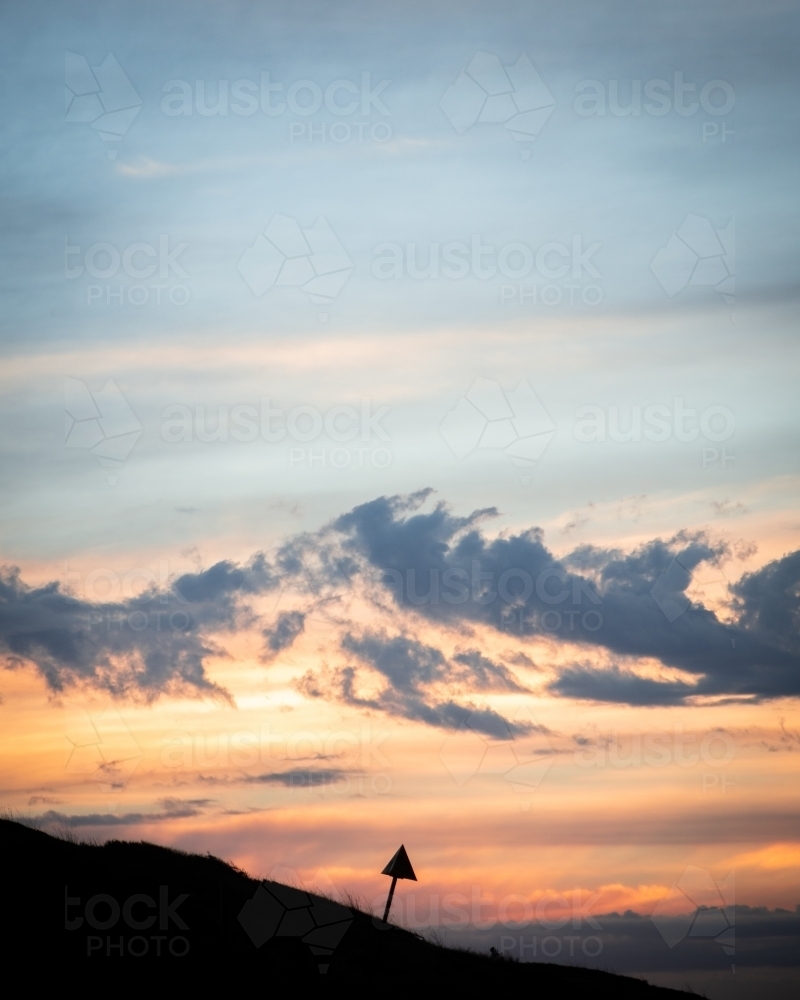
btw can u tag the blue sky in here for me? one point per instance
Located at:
(214, 182)
(626, 182)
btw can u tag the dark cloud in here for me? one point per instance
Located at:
(405, 663)
(520, 660)
(615, 685)
(286, 629)
(768, 602)
(300, 777)
(409, 669)
(483, 674)
(448, 570)
(142, 646)
(445, 568)
(632, 944)
(171, 809)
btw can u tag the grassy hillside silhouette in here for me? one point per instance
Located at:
(136, 915)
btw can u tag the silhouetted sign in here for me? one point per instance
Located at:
(398, 867)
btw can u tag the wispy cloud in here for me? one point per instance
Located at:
(410, 673)
(171, 809)
(146, 167)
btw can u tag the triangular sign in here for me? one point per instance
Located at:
(400, 866)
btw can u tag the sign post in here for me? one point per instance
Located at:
(398, 867)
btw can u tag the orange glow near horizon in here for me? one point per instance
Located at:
(639, 805)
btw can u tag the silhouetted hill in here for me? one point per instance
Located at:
(137, 915)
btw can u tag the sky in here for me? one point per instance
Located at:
(396, 429)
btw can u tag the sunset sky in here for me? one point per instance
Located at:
(371, 474)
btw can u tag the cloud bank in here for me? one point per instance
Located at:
(150, 644)
(447, 569)
(431, 566)
(412, 677)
